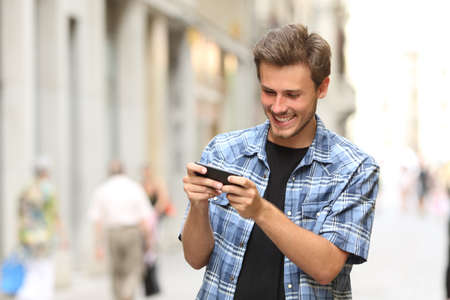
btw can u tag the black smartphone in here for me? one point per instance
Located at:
(216, 174)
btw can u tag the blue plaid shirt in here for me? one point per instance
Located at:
(331, 193)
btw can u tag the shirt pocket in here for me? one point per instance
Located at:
(220, 200)
(313, 215)
(222, 218)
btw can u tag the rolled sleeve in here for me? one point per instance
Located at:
(349, 222)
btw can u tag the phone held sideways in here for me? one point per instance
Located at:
(216, 174)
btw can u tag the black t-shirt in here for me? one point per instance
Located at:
(262, 273)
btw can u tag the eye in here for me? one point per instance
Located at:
(292, 95)
(269, 92)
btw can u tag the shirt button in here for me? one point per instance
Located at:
(289, 286)
(215, 198)
(293, 178)
(318, 214)
(241, 245)
(231, 278)
(265, 175)
(289, 213)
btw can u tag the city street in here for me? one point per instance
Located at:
(407, 260)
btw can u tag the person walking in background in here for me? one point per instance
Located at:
(445, 179)
(120, 211)
(39, 228)
(424, 185)
(301, 215)
(157, 192)
(158, 196)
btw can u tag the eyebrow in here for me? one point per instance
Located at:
(285, 91)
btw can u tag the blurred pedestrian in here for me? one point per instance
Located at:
(39, 229)
(445, 179)
(150, 275)
(158, 196)
(301, 237)
(120, 210)
(157, 192)
(423, 184)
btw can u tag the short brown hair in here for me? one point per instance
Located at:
(292, 44)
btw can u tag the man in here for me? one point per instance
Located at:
(121, 209)
(39, 229)
(300, 216)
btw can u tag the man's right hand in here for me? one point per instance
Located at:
(198, 238)
(199, 189)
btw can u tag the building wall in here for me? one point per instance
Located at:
(55, 101)
(327, 18)
(17, 109)
(86, 81)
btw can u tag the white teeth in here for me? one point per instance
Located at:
(280, 119)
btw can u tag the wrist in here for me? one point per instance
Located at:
(200, 207)
(261, 212)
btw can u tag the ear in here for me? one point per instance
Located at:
(323, 88)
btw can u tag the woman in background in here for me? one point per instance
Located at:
(158, 196)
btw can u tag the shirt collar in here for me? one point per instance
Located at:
(319, 149)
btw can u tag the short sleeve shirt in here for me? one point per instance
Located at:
(38, 213)
(120, 201)
(331, 192)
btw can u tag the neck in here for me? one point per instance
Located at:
(302, 139)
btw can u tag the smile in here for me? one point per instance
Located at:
(283, 119)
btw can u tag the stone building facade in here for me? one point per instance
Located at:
(142, 80)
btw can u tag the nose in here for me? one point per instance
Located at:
(279, 107)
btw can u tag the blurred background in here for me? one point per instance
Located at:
(152, 81)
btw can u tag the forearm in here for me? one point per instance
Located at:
(314, 254)
(197, 236)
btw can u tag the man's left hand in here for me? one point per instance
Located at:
(244, 196)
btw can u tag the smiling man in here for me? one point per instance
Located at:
(300, 215)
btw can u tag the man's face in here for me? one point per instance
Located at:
(289, 98)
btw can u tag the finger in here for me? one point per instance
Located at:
(195, 188)
(238, 200)
(193, 168)
(200, 196)
(233, 189)
(193, 176)
(241, 181)
(237, 205)
(234, 199)
(204, 181)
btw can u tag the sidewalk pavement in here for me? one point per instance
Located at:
(407, 260)
(177, 280)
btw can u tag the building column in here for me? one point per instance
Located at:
(17, 115)
(243, 107)
(182, 111)
(157, 94)
(92, 123)
(131, 88)
(340, 101)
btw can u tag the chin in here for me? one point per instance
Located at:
(283, 133)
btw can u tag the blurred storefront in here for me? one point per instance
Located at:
(146, 81)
